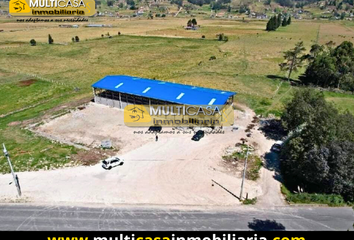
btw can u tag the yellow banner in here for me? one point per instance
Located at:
(178, 115)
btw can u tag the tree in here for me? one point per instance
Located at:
(347, 82)
(272, 24)
(285, 22)
(110, 3)
(342, 15)
(222, 37)
(33, 42)
(279, 20)
(330, 67)
(293, 59)
(289, 20)
(319, 155)
(50, 39)
(301, 109)
(194, 22)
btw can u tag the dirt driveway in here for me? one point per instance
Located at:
(173, 170)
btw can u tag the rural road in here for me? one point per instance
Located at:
(30, 217)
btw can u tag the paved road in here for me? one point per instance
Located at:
(29, 217)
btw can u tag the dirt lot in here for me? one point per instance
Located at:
(173, 170)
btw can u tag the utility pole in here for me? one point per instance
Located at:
(16, 181)
(244, 173)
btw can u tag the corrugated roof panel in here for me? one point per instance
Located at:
(161, 90)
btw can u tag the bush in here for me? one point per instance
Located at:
(33, 42)
(222, 37)
(50, 39)
(251, 201)
(77, 39)
(332, 200)
(254, 166)
(212, 58)
(203, 36)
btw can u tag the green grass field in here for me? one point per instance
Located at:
(161, 49)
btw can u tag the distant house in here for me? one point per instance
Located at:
(95, 25)
(261, 16)
(98, 25)
(220, 14)
(68, 26)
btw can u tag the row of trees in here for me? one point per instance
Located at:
(319, 155)
(277, 21)
(330, 67)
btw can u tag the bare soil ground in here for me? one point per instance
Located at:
(174, 170)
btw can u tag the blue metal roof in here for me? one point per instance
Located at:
(167, 91)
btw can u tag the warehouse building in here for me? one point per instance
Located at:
(119, 91)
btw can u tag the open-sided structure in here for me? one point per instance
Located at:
(119, 91)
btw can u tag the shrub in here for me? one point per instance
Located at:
(254, 166)
(50, 39)
(313, 198)
(251, 201)
(77, 39)
(33, 42)
(212, 58)
(222, 37)
(203, 36)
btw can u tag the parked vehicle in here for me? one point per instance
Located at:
(198, 135)
(277, 146)
(156, 128)
(112, 162)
